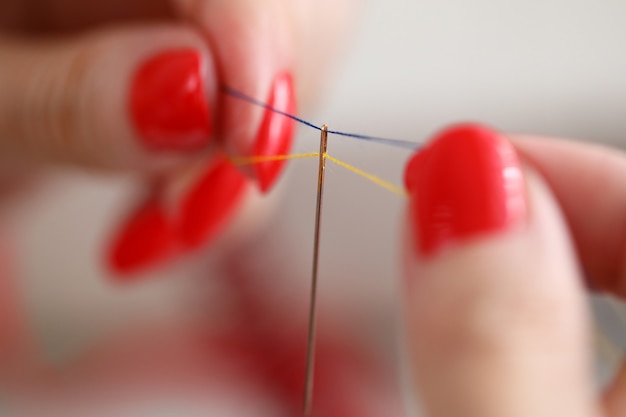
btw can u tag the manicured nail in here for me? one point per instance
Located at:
(275, 135)
(466, 183)
(210, 203)
(168, 102)
(147, 238)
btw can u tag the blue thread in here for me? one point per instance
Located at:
(391, 142)
(252, 100)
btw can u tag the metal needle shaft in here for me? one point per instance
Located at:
(310, 354)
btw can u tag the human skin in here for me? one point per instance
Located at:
(496, 315)
(135, 88)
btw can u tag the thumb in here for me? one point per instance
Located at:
(497, 324)
(119, 98)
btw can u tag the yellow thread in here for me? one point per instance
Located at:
(391, 187)
(260, 159)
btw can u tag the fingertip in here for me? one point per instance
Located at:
(210, 203)
(168, 101)
(181, 215)
(252, 46)
(467, 182)
(146, 239)
(275, 134)
(135, 98)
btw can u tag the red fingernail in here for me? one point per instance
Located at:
(210, 203)
(275, 134)
(147, 238)
(467, 182)
(168, 101)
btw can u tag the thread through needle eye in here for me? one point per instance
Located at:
(310, 354)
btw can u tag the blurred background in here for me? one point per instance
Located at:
(553, 68)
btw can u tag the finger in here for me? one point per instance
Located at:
(589, 182)
(253, 50)
(122, 98)
(178, 217)
(496, 318)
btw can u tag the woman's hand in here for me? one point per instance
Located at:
(135, 86)
(503, 237)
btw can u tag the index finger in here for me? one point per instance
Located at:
(589, 182)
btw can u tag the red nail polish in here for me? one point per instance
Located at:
(276, 131)
(467, 182)
(210, 203)
(168, 102)
(147, 238)
(411, 170)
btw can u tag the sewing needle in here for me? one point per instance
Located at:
(310, 354)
